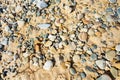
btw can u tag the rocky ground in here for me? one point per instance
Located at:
(59, 39)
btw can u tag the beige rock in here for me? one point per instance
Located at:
(48, 43)
(83, 36)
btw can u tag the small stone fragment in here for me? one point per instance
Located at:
(93, 56)
(101, 64)
(83, 36)
(44, 25)
(76, 58)
(110, 55)
(48, 43)
(83, 75)
(72, 71)
(104, 77)
(118, 11)
(114, 72)
(51, 37)
(117, 47)
(41, 4)
(20, 23)
(112, 1)
(18, 9)
(48, 65)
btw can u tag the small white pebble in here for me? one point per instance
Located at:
(117, 47)
(48, 65)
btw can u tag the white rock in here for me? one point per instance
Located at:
(18, 9)
(104, 77)
(51, 37)
(20, 23)
(112, 1)
(117, 47)
(101, 64)
(41, 4)
(76, 58)
(26, 54)
(44, 25)
(4, 41)
(48, 65)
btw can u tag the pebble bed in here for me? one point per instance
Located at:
(59, 39)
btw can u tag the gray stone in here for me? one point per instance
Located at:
(82, 74)
(117, 47)
(41, 4)
(118, 11)
(44, 25)
(112, 1)
(93, 56)
(104, 77)
(72, 71)
(114, 72)
(101, 64)
(4, 41)
(48, 65)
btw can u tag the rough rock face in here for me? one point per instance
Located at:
(59, 39)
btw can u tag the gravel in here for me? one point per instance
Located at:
(48, 65)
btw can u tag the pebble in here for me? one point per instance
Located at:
(117, 47)
(93, 57)
(76, 58)
(110, 55)
(4, 41)
(101, 64)
(114, 72)
(83, 75)
(112, 1)
(104, 77)
(72, 71)
(41, 4)
(18, 9)
(118, 11)
(48, 65)
(51, 37)
(44, 25)
(48, 43)
(83, 36)
(20, 23)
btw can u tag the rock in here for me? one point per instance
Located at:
(4, 41)
(114, 72)
(93, 57)
(110, 55)
(118, 11)
(72, 71)
(112, 1)
(48, 65)
(101, 64)
(117, 47)
(104, 77)
(44, 25)
(48, 43)
(41, 4)
(20, 23)
(83, 36)
(83, 75)
(18, 9)
(51, 37)
(76, 58)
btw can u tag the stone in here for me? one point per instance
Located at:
(83, 75)
(110, 55)
(51, 37)
(112, 1)
(48, 65)
(104, 77)
(83, 36)
(44, 25)
(93, 57)
(76, 58)
(118, 11)
(48, 43)
(101, 64)
(114, 72)
(20, 23)
(41, 4)
(18, 9)
(72, 71)
(4, 41)
(117, 47)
